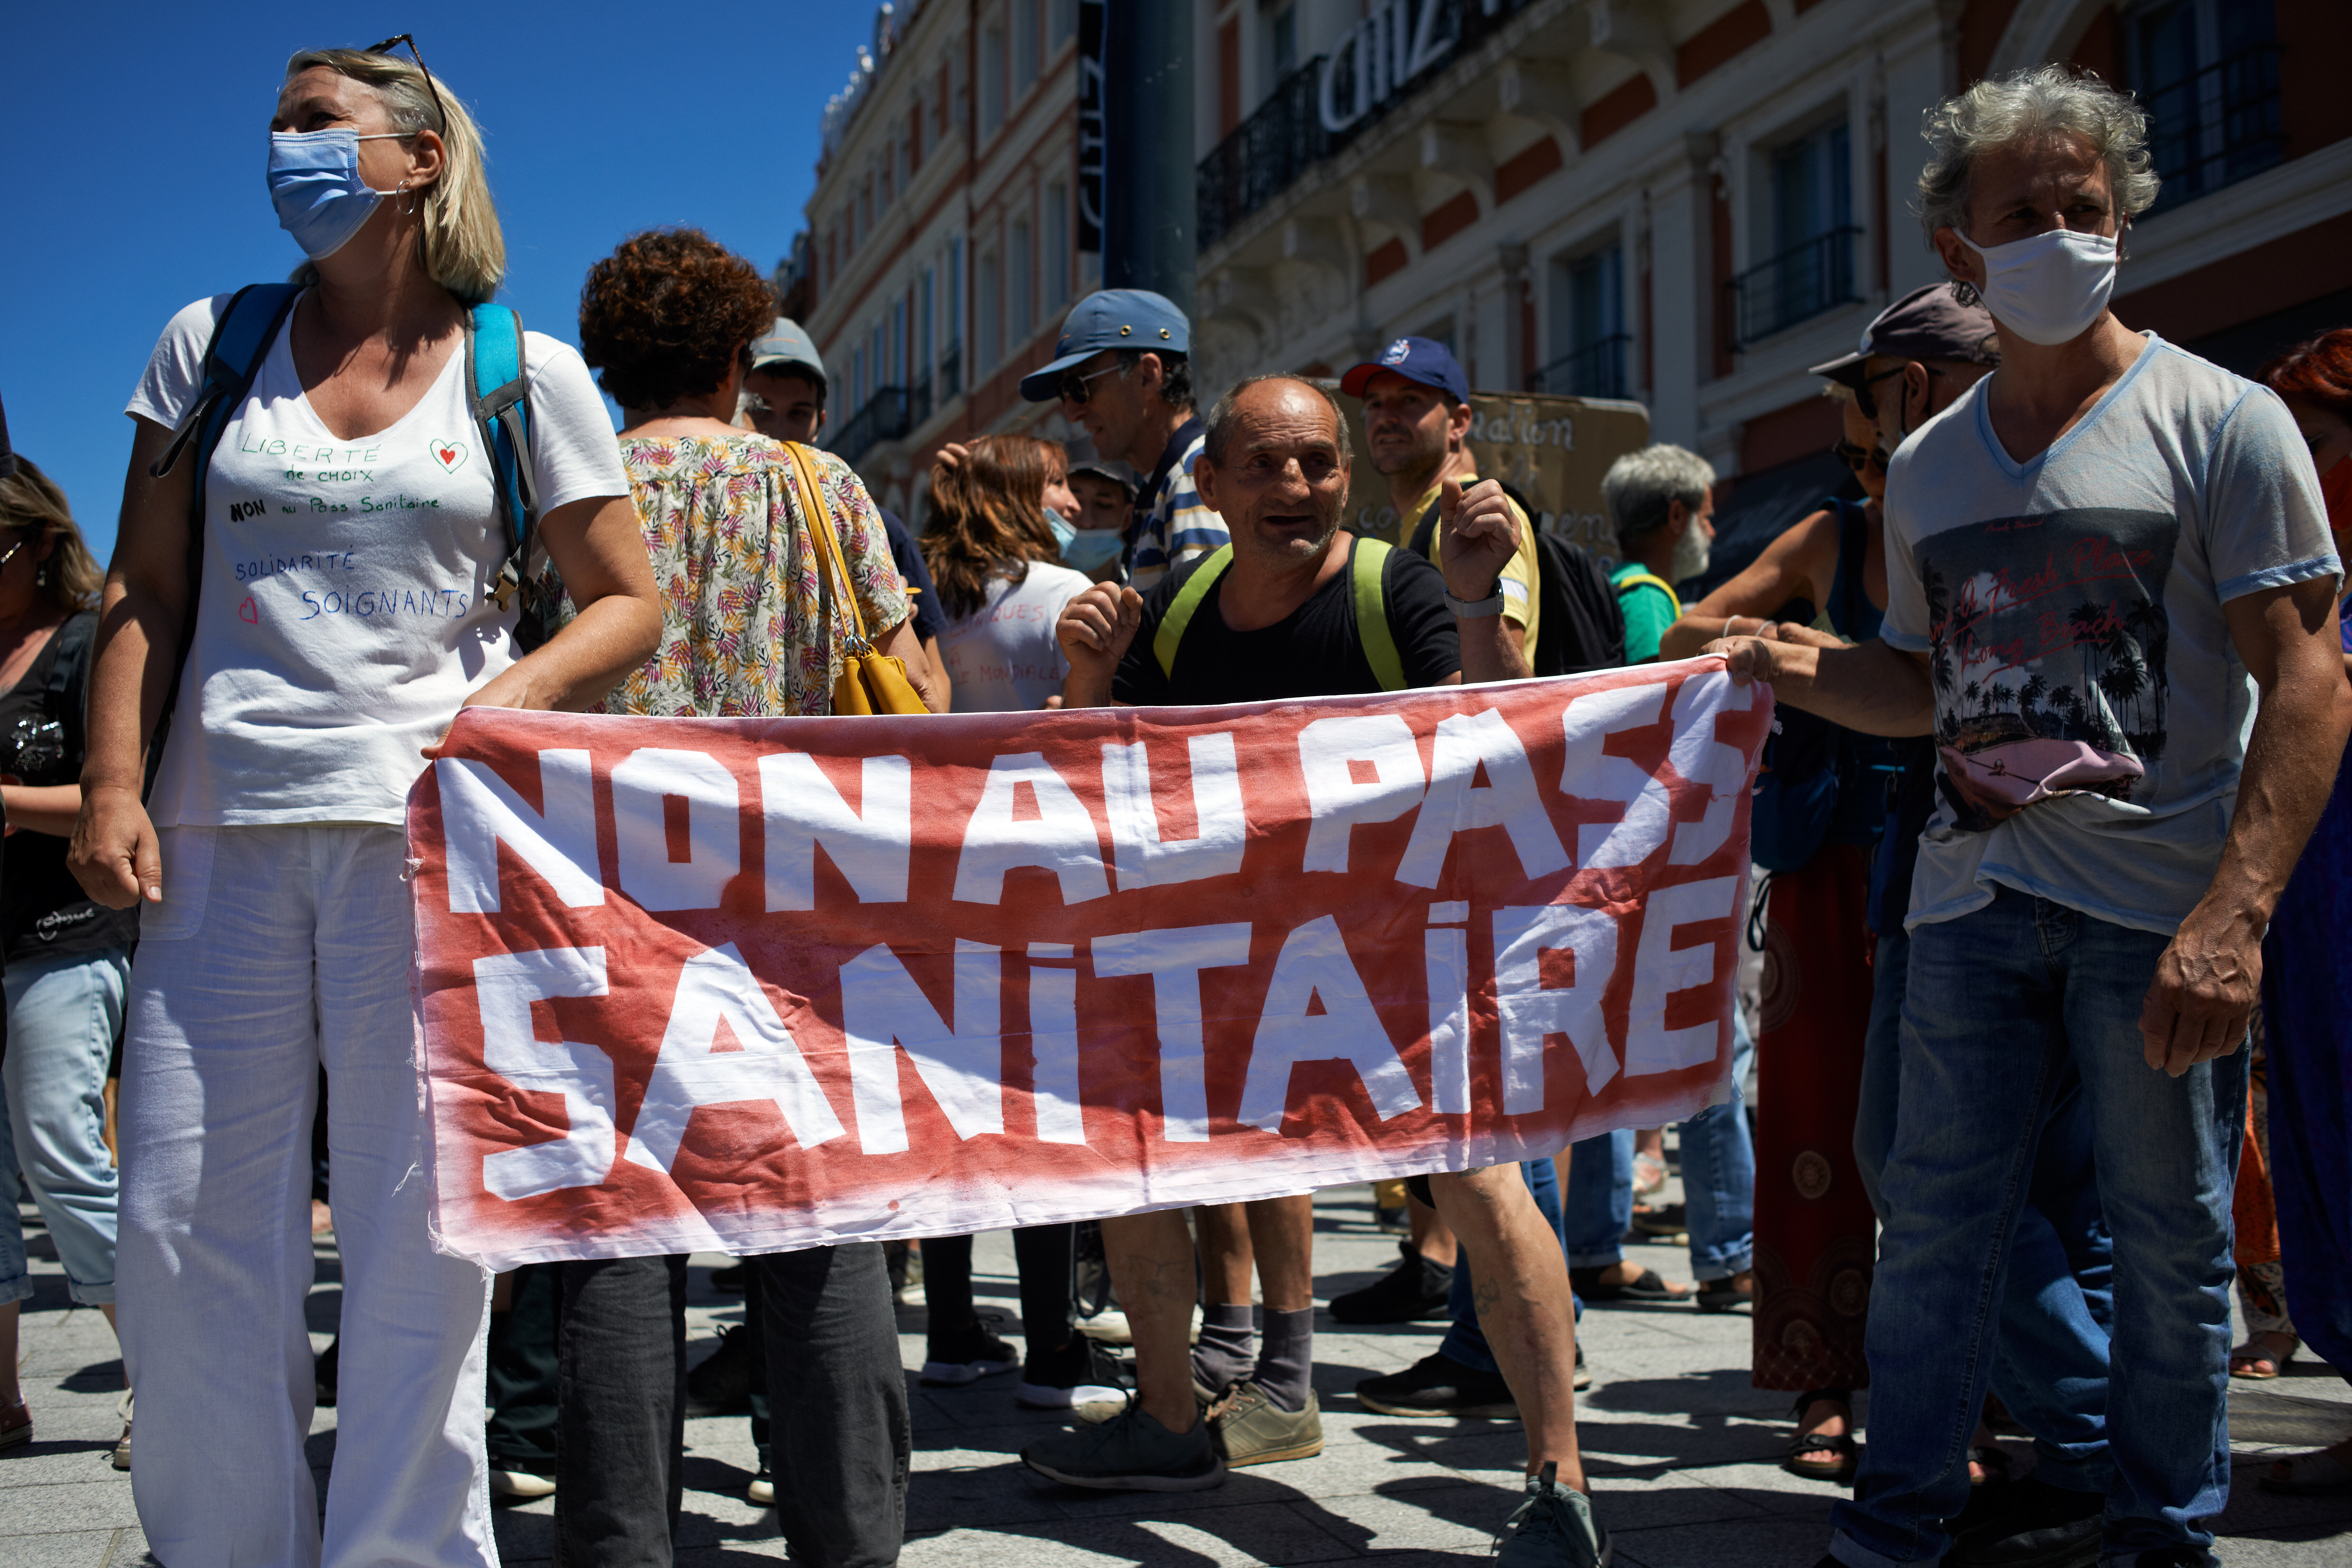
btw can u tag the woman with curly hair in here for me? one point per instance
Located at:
(749, 630)
(346, 547)
(992, 551)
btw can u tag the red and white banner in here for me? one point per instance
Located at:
(752, 985)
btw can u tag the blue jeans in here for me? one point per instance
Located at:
(63, 1014)
(1719, 1185)
(1466, 1342)
(2050, 1367)
(1999, 1003)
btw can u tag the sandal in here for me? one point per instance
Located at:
(1647, 1287)
(1838, 1470)
(1993, 1461)
(2248, 1361)
(2318, 1474)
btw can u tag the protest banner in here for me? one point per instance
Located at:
(754, 984)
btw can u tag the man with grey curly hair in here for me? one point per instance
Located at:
(1658, 500)
(2111, 598)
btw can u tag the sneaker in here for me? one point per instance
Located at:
(1132, 1453)
(520, 1483)
(1415, 1288)
(1583, 1379)
(1111, 1326)
(966, 1358)
(1095, 1412)
(720, 1385)
(1553, 1529)
(1080, 1373)
(761, 1492)
(1250, 1428)
(2031, 1524)
(1437, 1385)
(16, 1425)
(121, 1458)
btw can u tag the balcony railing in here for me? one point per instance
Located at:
(884, 418)
(1596, 370)
(1324, 104)
(1794, 286)
(951, 371)
(2216, 126)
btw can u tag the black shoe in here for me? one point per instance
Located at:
(729, 1281)
(721, 1384)
(2033, 1524)
(957, 1359)
(1415, 1288)
(324, 1373)
(1437, 1386)
(1724, 1295)
(1646, 1287)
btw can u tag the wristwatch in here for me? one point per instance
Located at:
(1477, 609)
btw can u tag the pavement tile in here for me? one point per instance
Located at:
(70, 1549)
(69, 1508)
(1752, 1543)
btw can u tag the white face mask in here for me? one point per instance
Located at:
(2048, 289)
(1691, 553)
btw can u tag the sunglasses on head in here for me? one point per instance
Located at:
(385, 50)
(1073, 388)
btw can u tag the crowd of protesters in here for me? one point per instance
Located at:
(2016, 947)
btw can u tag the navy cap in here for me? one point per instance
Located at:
(1424, 360)
(1109, 319)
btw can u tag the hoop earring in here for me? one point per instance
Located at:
(399, 190)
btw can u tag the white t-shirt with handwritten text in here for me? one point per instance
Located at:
(343, 613)
(1003, 657)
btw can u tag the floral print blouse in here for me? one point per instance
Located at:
(742, 632)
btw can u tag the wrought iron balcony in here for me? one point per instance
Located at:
(1260, 159)
(2216, 126)
(1596, 370)
(885, 417)
(1794, 286)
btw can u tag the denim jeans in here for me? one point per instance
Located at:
(1466, 1342)
(1998, 1003)
(63, 1013)
(1719, 1185)
(2051, 1365)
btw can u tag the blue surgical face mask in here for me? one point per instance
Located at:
(1063, 530)
(315, 184)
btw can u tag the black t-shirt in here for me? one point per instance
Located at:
(931, 617)
(43, 910)
(1314, 651)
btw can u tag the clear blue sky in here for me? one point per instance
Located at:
(135, 137)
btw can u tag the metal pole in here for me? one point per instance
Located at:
(1150, 222)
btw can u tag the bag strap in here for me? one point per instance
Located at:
(498, 395)
(828, 546)
(1188, 599)
(1368, 563)
(1640, 579)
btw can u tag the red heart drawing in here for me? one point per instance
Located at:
(249, 613)
(450, 455)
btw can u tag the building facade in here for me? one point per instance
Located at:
(1684, 202)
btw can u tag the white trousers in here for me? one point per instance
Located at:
(278, 949)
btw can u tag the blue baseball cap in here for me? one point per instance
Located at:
(1424, 360)
(1110, 319)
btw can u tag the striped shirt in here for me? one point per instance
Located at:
(1172, 526)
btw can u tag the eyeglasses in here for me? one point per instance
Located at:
(1859, 458)
(1868, 401)
(10, 553)
(385, 47)
(1073, 388)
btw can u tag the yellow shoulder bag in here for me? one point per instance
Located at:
(870, 682)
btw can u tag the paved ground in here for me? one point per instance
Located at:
(1680, 1447)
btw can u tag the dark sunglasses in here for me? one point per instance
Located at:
(1858, 457)
(385, 48)
(1074, 387)
(1868, 401)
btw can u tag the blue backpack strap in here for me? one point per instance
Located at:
(496, 393)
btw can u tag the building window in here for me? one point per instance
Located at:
(856, 378)
(1024, 45)
(1282, 43)
(1811, 267)
(988, 306)
(1022, 307)
(991, 80)
(889, 163)
(1057, 245)
(1061, 21)
(951, 357)
(2210, 74)
(927, 342)
(1588, 339)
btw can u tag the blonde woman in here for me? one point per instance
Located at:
(68, 959)
(266, 861)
